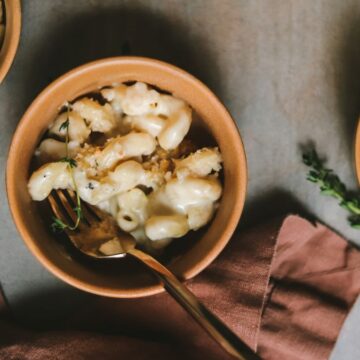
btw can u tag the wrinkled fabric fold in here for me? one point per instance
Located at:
(284, 287)
(315, 279)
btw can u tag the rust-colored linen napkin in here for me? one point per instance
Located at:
(285, 288)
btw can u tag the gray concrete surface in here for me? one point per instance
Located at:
(287, 70)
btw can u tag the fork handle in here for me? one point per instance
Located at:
(229, 341)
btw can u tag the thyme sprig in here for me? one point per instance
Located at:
(331, 185)
(58, 224)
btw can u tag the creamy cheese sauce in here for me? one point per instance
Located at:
(143, 171)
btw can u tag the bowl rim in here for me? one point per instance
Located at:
(12, 36)
(357, 150)
(32, 244)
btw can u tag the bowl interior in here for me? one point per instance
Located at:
(11, 37)
(125, 278)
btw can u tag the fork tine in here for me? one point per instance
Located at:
(90, 213)
(95, 212)
(70, 197)
(55, 207)
(69, 206)
(66, 205)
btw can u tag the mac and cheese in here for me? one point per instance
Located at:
(132, 161)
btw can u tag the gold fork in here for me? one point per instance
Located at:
(98, 229)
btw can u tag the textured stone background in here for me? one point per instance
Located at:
(287, 70)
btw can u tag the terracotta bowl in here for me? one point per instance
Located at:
(11, 37)
(125, 278)
(357, 151)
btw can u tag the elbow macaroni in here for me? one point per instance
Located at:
(50, 176)
(163, 116)
(140, 176)
(100, 118)
(78, 130)
(98, 160)
(166, 226)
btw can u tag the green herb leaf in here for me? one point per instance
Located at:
(64, 125)
(355, 221)
(58, 225)
(331, 185)
(78, 212)
(71, 162)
